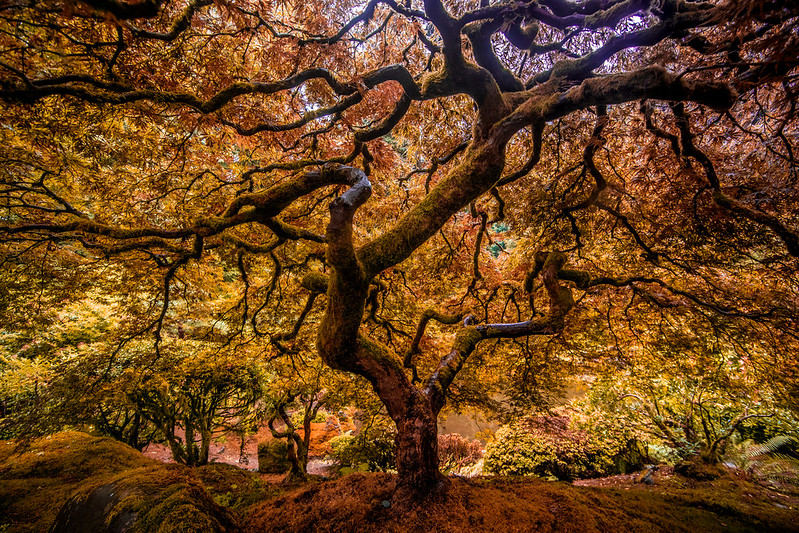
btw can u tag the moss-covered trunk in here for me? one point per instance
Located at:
(297, 457)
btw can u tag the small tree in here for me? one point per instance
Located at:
(192, 402)
(298, 444)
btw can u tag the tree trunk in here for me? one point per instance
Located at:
(298, 459)
(178, 451)
(712, 452)
(417, 452)
(133, 435)
(190, 445)
(205, 447)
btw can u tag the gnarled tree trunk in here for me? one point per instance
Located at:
(342, 345)
(298, 446)
(417, 449)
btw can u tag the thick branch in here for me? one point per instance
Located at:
(469, 336)
(546, 103)
(347, 286)
(99, 91)
(475, 174)
(427, 316)
(127, 10)
(180, 24)
(480, 36)
(252, 207)
(388, 124)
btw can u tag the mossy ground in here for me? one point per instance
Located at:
(362, 502)
(37, 481)
(35, 484)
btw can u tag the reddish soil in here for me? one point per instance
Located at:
(364, 503)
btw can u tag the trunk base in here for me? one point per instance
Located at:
(407, 494)
(417, 453)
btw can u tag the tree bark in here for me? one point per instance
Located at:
(417, 451)
(297, 457)
(298, 446)
(342, 346)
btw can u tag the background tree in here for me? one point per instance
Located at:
(298, 443)
(50, 377)
(192, 404)
(649, 144)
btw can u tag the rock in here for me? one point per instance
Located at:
(88, 514)
(647, 477)
(156, 500)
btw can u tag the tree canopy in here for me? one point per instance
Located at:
(448, 199)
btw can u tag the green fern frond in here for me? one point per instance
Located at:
(769, 447)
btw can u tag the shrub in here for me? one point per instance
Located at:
(272, 457)
(298, 417)
(456, 453)
(372, 450)
(545, 446)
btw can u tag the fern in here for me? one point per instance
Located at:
(771, 446)
(763, 460)
(777, 467)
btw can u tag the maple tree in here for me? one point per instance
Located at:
(695, 404)
(297, 395)
(391, 173)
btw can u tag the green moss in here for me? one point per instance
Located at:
(234, 487)
(172, 498)
(182, 507)
(315, 282)
(272, 457)
(37, 480)
(113, 483)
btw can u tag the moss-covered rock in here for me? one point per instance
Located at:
(71, 482)
(233, 487)
(164, 499)
(272, 457)
(37, 479)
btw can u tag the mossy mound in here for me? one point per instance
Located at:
(164, 499)
(234, 487)
(71, 482)
(70, 455)
(699, 470)
(363, 502)
(37, 480)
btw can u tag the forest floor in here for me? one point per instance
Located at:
(75, 482)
